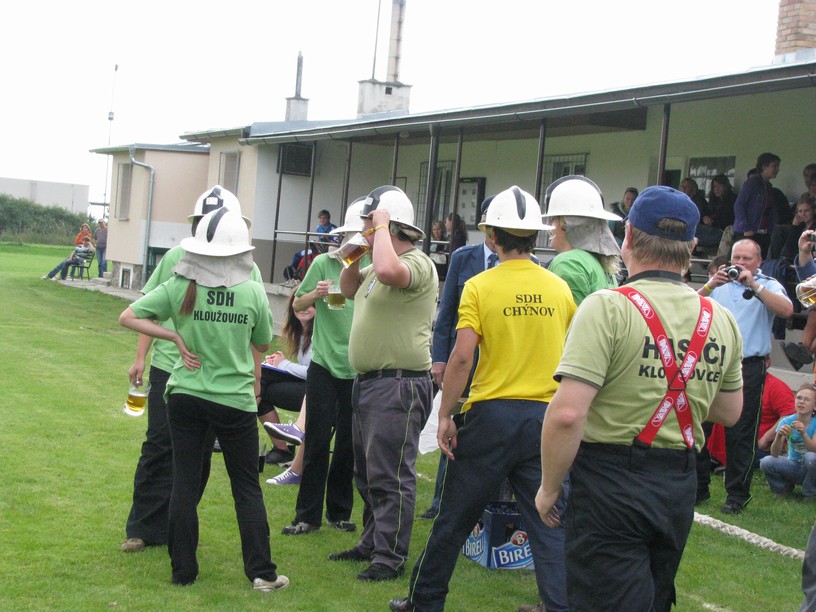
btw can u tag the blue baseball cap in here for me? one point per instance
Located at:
(661, 202)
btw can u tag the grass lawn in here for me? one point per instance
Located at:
(68, 457)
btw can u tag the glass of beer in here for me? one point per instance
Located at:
(335, 299)
(806, 292)
(352, 250)
(136, 400)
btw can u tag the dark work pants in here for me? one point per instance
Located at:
(628, 520)
(328, 413)
(153, 480)
(740, 440)
(497, 440)
(389, 414)
(237, 431)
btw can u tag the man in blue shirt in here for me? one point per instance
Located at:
(754, 299)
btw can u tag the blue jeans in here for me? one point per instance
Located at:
(101, 260)
(783, 474)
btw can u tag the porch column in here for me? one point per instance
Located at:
(430, 188)
(664, 143)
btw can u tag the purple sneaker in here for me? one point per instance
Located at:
(290, 433)
(287, 477)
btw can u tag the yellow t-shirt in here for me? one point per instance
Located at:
(521, 313)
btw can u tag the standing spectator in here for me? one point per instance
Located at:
(439, 248)
(468, 261)
(755, 213)
(101, 240)
(612, 419)
(622, 210)
(78, 256)
(214, 387)
(588, 257)
(84, 230)
(457, 230)
(754, 299)
(513, 310)
(325, 226)
(329, 383)
(153, 480)
(389, 347)
(799, 466)
(708, 235)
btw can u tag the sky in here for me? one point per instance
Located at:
(190, 66)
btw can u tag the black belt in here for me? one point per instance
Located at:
(757, 358)
(392, 374)
(634, 456)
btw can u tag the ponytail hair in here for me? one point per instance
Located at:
(189, 299)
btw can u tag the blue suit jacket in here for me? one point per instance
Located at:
(465, 262)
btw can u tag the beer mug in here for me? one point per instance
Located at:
(335, 299)
(352, 250)
(806, 292)
(136, 400)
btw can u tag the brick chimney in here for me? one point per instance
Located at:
(796, 28)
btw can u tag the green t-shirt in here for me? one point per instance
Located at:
(521, 313)
(609, 346)
(166, 353)
(583, 273)
(219, 331)
(392, 326)
(330, 333)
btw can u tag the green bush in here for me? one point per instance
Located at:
(22, 220)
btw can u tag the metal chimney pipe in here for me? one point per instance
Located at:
(299, 78)
(397, 17)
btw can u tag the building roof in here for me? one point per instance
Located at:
(181, 147)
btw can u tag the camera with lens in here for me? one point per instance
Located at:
(812, 237)
(733, 272)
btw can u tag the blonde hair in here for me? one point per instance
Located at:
(671, 253)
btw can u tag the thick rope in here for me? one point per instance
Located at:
(751, 538)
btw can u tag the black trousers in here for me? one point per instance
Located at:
(282, 390)
(628, 519)
(740, 440)
(190, 421)
(328, 414)
(153, 480)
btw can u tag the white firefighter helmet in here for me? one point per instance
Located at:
(353, 219)
(576, 196)
(213, 199)
(220, 233)
(514, 211)
(397, 204)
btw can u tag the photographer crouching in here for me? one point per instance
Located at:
(754, 299)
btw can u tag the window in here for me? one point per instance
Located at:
(228, 171)
(125, 174)
(558, 166)
(295, 159)
(703, 169)
(442, 191)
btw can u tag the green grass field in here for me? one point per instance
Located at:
(67, 461)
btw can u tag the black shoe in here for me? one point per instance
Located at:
(343, 525)
(280, 457)
(430, 513)
(400, 604)
(349, 555)
(702, 496)
(732, 508)
(299, 528)
(378, 572)
(797, 354)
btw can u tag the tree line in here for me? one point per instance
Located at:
(22, 220)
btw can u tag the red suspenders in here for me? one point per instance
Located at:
(677, 377)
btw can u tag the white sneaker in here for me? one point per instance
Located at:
(259, 584)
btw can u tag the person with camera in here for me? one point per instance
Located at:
(754, 299)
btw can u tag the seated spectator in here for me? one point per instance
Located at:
(439, 248)
(79, 256)
(777, 402)
(325, 226)
(805, 219)
(799, 467)
(283, 381)
(708, 235)
(721, 200)
(84, 230)
(622, 209)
